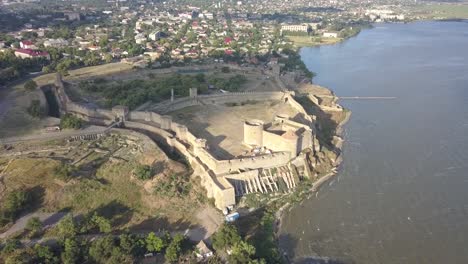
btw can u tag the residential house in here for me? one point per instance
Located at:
(29, 53)
(26, 44)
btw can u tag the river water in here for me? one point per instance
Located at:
(401, 195)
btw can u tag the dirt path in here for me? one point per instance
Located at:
(47, 219)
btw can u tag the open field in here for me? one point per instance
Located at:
(441, 11)
(305, 41)
(222, 125)
(102, 181)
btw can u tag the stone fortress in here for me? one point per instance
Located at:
(282, 150)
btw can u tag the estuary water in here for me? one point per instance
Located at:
(401, 195)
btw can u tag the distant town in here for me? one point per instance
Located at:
(59, 36)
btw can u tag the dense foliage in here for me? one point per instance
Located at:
(70, 121)
(144, 172)
(12, 67)
(294, 62)
(30, 85)
(14, 203)
(136, 92)
(35, 109)
(64, 171)
(72, 248)
(227, 238)
(175, 185)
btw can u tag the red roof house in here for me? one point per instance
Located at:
(29, 53)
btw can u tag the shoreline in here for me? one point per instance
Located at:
(316, 185)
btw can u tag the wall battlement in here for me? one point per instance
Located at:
(213, 172)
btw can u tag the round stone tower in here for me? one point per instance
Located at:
(253, 132)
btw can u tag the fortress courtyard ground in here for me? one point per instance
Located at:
(222, 125)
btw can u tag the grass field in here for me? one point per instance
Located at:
(103, 182)
(305, 41)
(442, 11)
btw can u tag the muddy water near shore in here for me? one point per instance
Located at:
(401, 195)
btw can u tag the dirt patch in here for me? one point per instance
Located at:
(222, 125)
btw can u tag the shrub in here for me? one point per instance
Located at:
(174, 185)
(225, 237)
(34, 225)
(30, 85)
(70, 121)
(35, 109)
(67, 227)
(10, 246)
(63, 172)
(175, 248)
(155, 243)
(144, 172)
(13, 205)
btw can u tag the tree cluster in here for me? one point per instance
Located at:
(70, 121)
(143, 172)
(108, 249)
(12, 205)
(227, 238)
(136, 92)
(35, 109)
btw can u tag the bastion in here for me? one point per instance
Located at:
(238, 143)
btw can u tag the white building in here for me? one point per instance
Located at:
(295, 28)
(56, 43)
(330, 34)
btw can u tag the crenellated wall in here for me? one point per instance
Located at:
(238, 97)
(177, 136)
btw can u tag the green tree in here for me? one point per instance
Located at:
(43, 254)
(131, 244)
(34, 225)
(144, 172)
(35, 109)
(30, 85)
(242, 252)
(102, 223)
(71, 253)
(101, 248)
(10, 246)
(67, 227)
(13, 205)
(70, 121)
(108, 58)
(63, 171)
(175, 248)
(18, 257)
(155, 243)
(226, 237)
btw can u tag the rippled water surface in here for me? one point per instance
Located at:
(402, 193)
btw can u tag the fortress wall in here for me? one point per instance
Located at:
(207, 158)
(177, 104)
(278, 143)
(253, 132)
(163, 133)
(240, 97)
(104, 113)
(139, 115)
(298, 107)
(168, 105)
(265, 161)
(306, 141)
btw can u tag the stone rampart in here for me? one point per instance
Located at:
(178, 137)
(238, 97)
